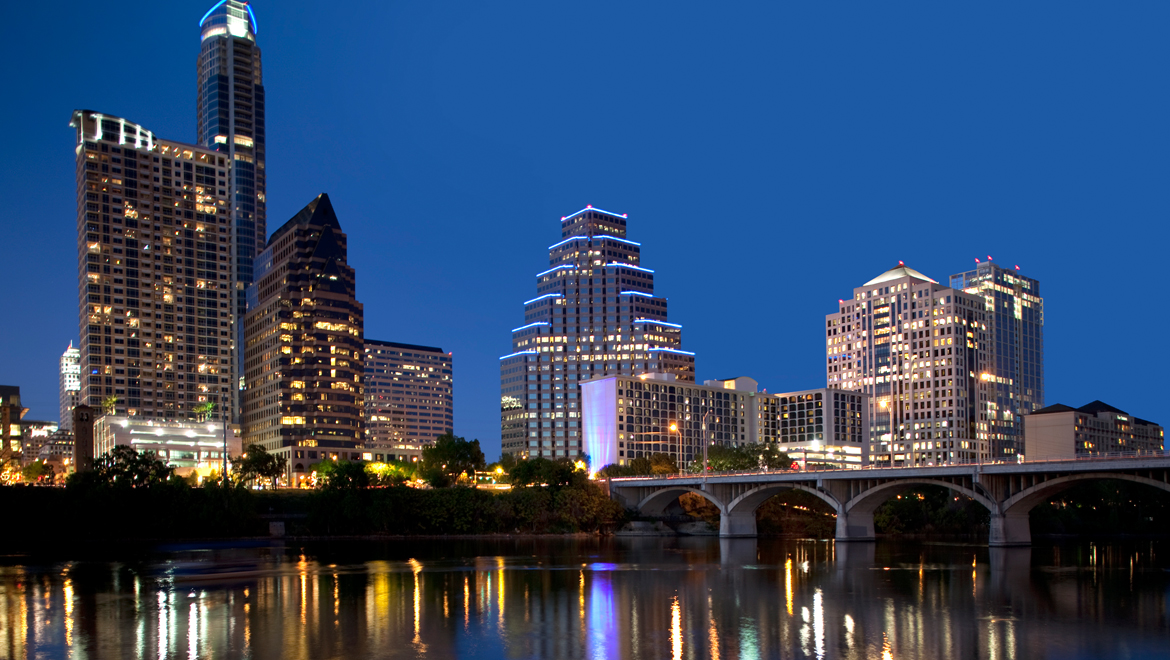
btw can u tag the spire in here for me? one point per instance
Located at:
(230, 17)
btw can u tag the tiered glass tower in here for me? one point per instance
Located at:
(230, 119)
(594, 315)
(1016, 351)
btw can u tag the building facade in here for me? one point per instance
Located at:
(919, 350)
(409, 398)
(184, 444)
(628, 417)
(1060, 431)
(69, 385)
(230, 120)
(12, 414)
(1015, 350)
(154, 271)
(34, 434)
(594, 315)
(304, 344)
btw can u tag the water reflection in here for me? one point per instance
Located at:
(616, 598)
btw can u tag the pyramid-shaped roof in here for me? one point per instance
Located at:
(317, 212)
(898, 272)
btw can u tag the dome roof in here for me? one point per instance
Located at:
(898, 272)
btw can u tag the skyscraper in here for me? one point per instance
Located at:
(1015, 351)
(230, 120)
(154, 270)
(409, 398)
(595, 314)
(919, 349)
(69, 385)
(304, 344)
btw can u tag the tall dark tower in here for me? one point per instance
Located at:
(230, 119)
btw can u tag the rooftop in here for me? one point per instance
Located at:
(897, 273)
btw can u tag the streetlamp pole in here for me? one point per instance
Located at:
(223, 415)
(705, 445)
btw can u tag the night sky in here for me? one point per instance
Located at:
(771, 156)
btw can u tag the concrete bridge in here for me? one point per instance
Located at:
(1008, 490)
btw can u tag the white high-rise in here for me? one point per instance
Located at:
(70, 385)
(919, 349)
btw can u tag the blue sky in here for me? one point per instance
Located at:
(771, 156)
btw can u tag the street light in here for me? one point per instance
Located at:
(674, 429)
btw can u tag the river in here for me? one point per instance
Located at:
(637, 598)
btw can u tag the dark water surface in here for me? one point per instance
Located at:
(592, 598)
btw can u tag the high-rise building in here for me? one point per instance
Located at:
(69, 387)
(595, 314)
(919, 349)
(1015, 350)
(304, 344)
(409, 398)
(230, 120)
(12, 413)
(628, 417)
(154, 271)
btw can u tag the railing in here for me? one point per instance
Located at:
(1107, 456)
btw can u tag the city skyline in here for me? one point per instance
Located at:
(754, 222)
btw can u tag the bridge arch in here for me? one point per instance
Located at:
(1024, 501)
(755, 498)
(868, 501)
(655, 503)
(855, 517)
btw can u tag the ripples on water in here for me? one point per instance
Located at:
(594, 598)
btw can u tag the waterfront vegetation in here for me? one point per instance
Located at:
(129, 495)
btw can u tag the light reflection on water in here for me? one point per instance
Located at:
(596, 598)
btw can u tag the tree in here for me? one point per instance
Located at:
(346, 476)
(38, 471)
(449, 458)
(721, 458)
(203, 410)
(110, 405)
(125, 467)
(545, 472)
(257, 463)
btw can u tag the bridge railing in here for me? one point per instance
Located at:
(1103, 457)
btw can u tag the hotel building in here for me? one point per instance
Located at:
(920, 351)
(230, 120)
(69, 385)
(154, 246)
(1015, 351)
(409, 394)
(628, 417)
(1060, 431)
(594, 315)
(304, 344)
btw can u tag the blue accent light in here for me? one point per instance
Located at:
(673, 325)
(252, 17)
(628, 266)
(636, 293)
(599, 421)
(529, 325)
(582, 238)
(553, 269)
(590, 208)
(217, 6)
(505, 357)
(671, 350)
(547, 295)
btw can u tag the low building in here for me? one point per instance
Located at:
(408, 398)
(34, 434)
(1060, 431)
(628, 417)
(57, 452)
(186, 445)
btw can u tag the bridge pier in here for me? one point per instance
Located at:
(737, 524)
(854, 526)
(1009, 530)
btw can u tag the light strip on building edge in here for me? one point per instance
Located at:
(580, 238)
(519, 353)
(547, 295)
(529, 325)
(636, 293)
(553, 269)
(217, 6)
(627, 266)
(671, 350)
(590, 208)
(673, 325)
